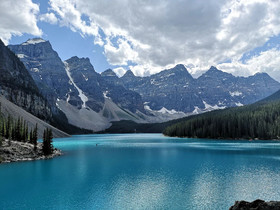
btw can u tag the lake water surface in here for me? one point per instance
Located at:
(144, 171)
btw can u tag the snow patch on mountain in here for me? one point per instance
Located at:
(235, 93)
(209, 107)
(172, 74)
(196, 110)
(34, 69)
(105, 94)
(86, 79)
(34, 41)
(147, 107)
(82, 96)
(21, 55)
(163, 110)
(239, 104)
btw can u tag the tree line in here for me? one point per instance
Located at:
(18, 130)
(256, 121)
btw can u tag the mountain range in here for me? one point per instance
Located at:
(255, 121)
(92, 101)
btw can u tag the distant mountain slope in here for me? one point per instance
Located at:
(175, 89)
(260, 120)
(8, 108)
(275, 97)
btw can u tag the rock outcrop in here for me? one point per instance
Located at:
(22, 151)
(46, 68)
(256, 205)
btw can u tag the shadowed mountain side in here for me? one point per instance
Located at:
(15, 111)
(127, 126)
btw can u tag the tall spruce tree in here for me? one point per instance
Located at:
(47, 147)
(34, 137)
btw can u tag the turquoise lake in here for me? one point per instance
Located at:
(144, 171)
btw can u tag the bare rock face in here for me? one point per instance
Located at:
(98, 87)
(256, 205)
(176, 89)
(17, 85)
(46, 68)
(60, 80)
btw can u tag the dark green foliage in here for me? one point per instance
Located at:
(47, 142)
(127, 126)
(33, 136)
(14, 130)
(260, 120)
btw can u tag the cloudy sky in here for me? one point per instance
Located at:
(238, 36)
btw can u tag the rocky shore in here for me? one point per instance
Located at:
(257, 205)
(22, 151)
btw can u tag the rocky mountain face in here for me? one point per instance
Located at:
(46, 68)
(17, 85)
(76, 89)
(172, 89)
(86, 81)
(91, 100)
(228, 90)
(74, 80)
(175, 89)
(96, 87)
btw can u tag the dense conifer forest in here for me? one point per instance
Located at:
(257, 121)
(18, 130)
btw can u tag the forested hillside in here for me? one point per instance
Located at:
(260, 120)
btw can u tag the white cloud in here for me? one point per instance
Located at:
(71, 17)
(49, 18)
(120, 71)
(267, 61)
(121, 54)
(159, 34)
(18, 17)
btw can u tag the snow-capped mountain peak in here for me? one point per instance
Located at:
(34, 41)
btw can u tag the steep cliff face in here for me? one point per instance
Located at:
(86, 80)
(47, 69)
(74, 81)
(17, 85)
(224, 89)
(95, 88)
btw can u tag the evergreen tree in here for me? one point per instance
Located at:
(30, 137)
(17, 130)
(8, 126)
(3, 131)
(47, 147)
(35, 137)
(261, 120)
(10, 136)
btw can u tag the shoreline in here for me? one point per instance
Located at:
(23, 151)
